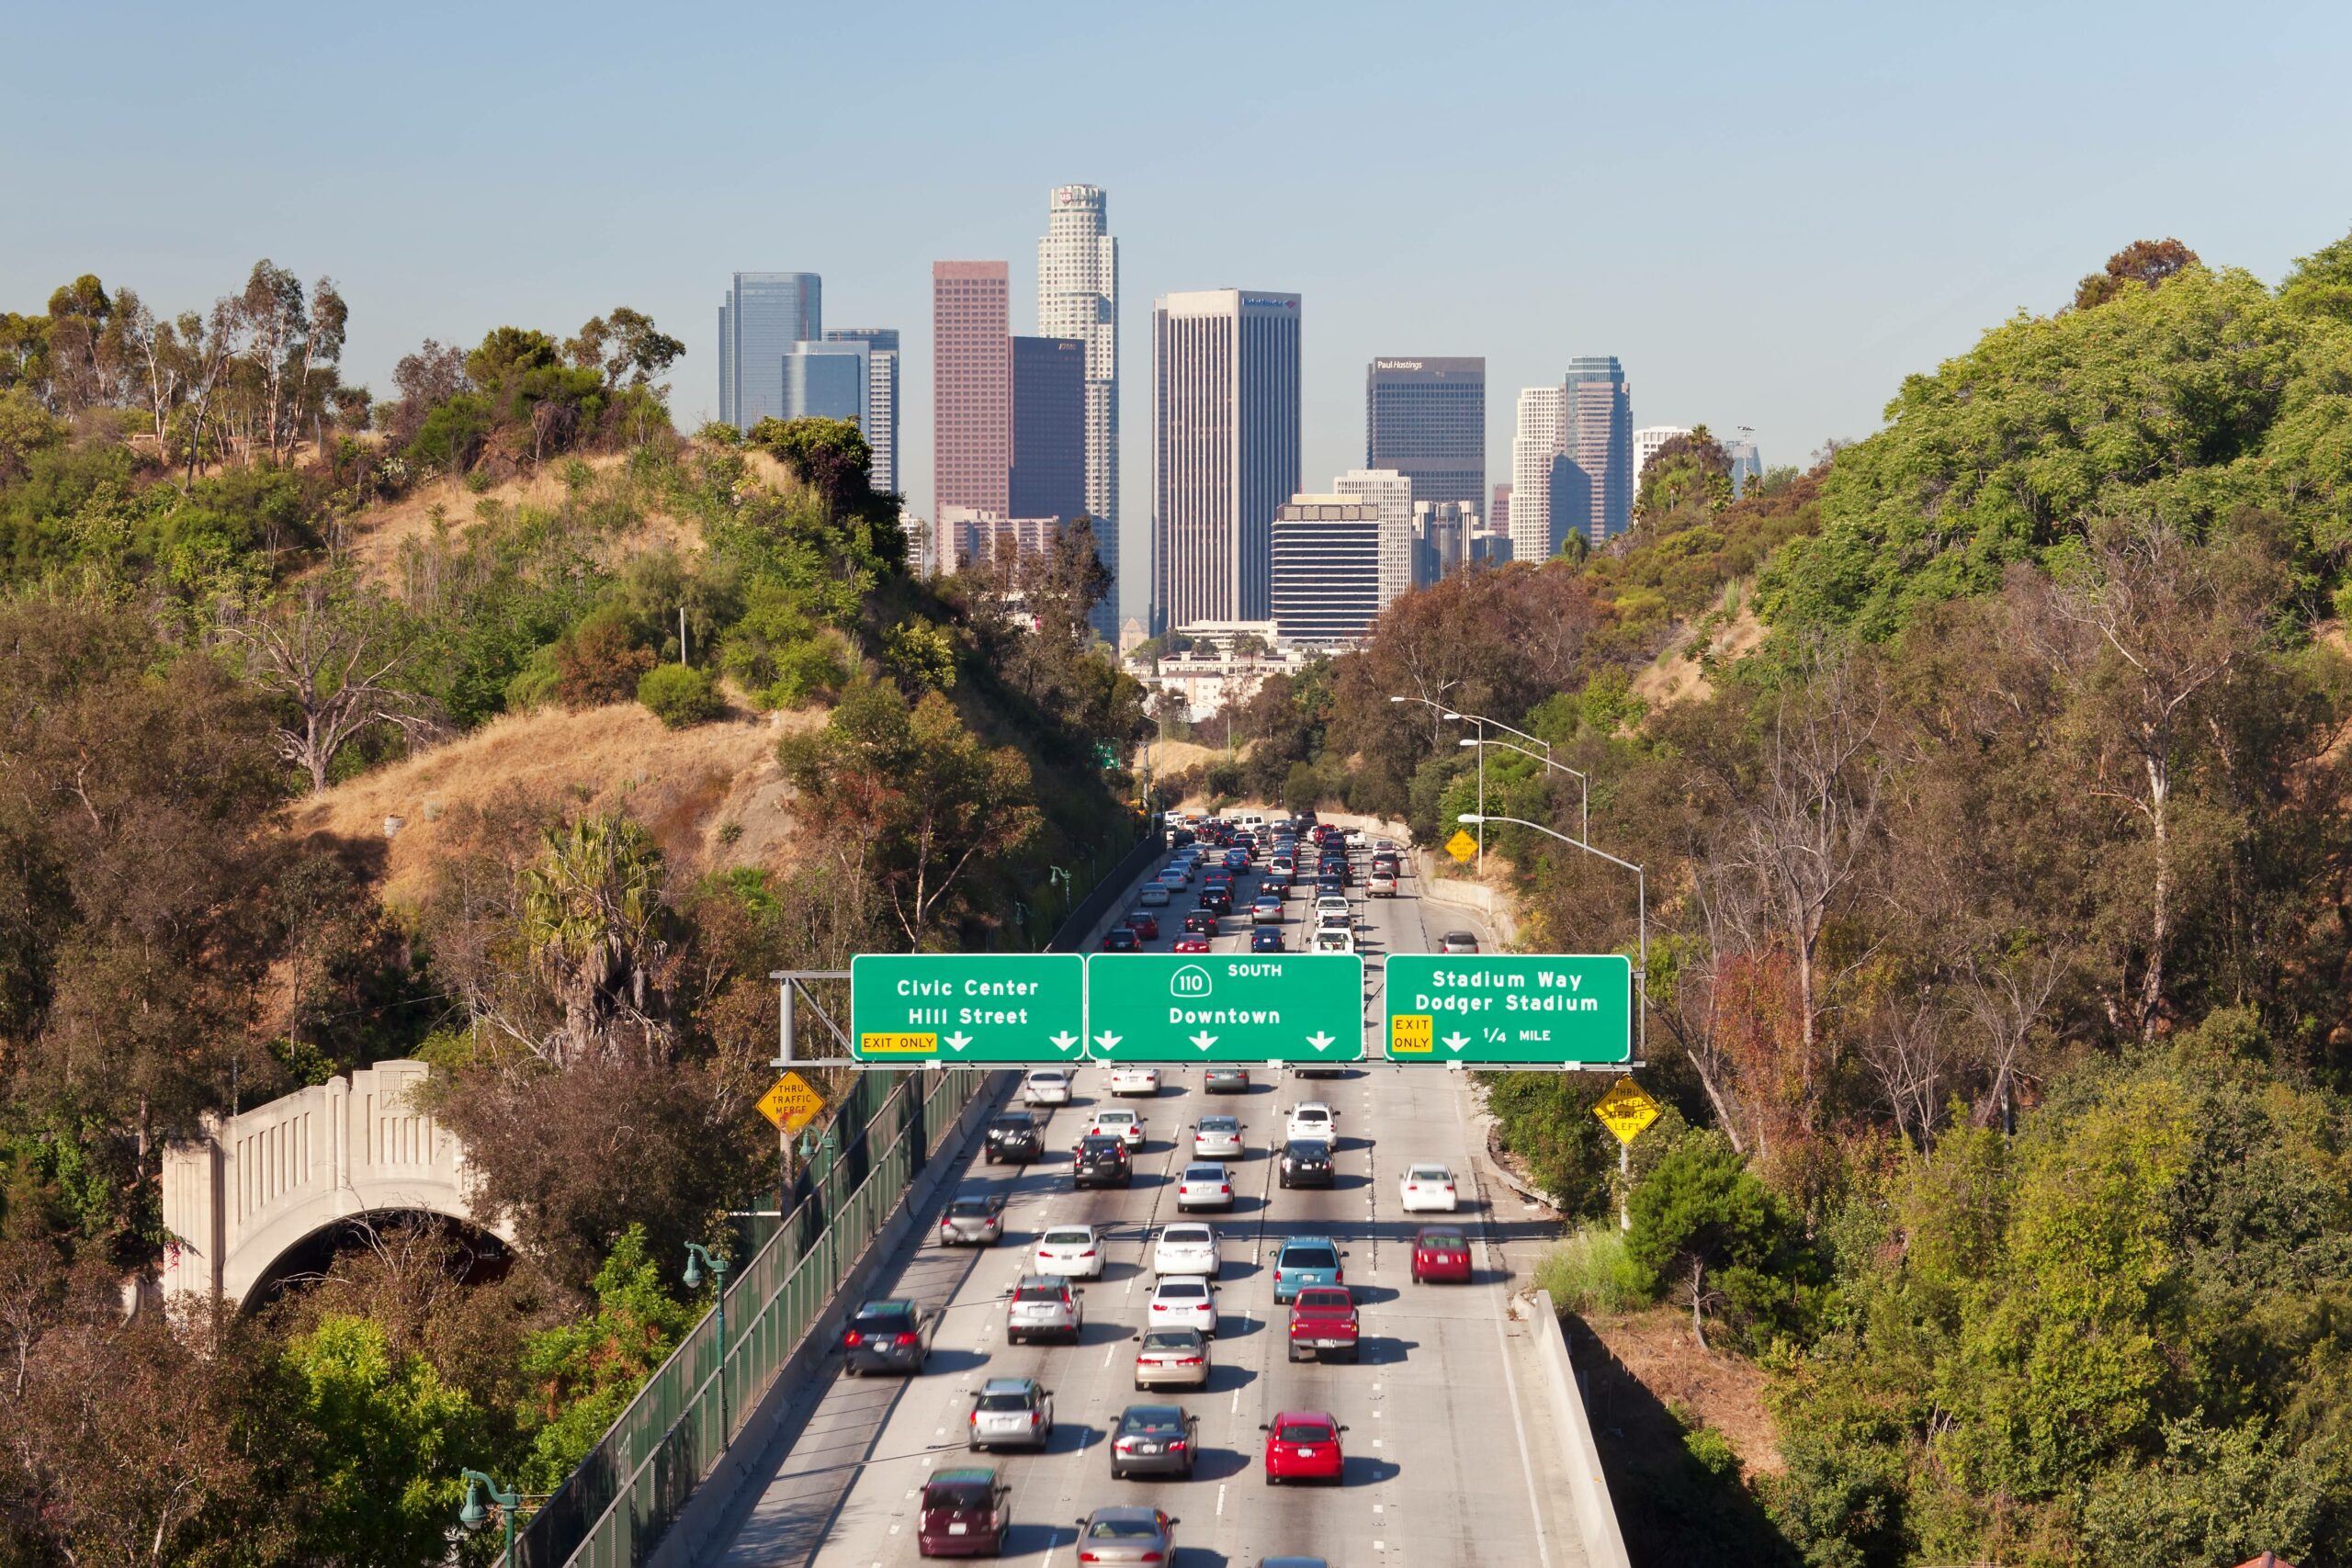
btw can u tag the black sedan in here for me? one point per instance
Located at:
(887, 1337)
(1154, 1439)
(1015, 1138)
(1306, 1162)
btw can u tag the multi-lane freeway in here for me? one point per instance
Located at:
(1450, 1450)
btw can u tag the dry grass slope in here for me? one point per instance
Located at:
(684, 785)
(377, 532)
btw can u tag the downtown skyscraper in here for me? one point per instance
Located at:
(1225, 450)
(971, 389)
(1535, 443)
(763, 315)
(1597, 436)
(1426, 419)
(881, 424)
(1078, 297)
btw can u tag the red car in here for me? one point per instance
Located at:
(1303, 1445)
(1145, 924)
(1323, 1324)
(1191, 942)
(1441, 1252)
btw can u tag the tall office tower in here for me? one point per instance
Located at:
(971, 388)
(1048, 477)
(763, 315)
(1647, 441)
(1597, 435)
(881, 399)
(1426, 419)
(1225, 450)
(1326, 578)
(1441, 534)
(1534, 446)
(1498, 516)
(1077, 296)
(1747, 463)
(826, 380)
(1392, 493)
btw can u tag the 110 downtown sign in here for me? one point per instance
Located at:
(1034, 1010)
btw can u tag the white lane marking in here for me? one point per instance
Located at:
(1234, 1410)
(1376, 1442)
(1106, 1353)
(1220, 1499)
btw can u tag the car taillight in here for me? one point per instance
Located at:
(975, 1417)
(908, 1338)
(1226, 1188)
(1188, 1362)
(1088, 1557)
(1087, 1253)
(854, 1337)
(1151, 1557)
(1159, 1306)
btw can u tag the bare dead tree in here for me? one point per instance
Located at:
(336, 657)
(1908, 1052)
(2005, 996)
(2167, 620)
(1813, 817)
(1726, 901)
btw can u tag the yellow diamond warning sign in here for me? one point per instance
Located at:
(1626, 1110)
(1461, 846)
(790, 1103)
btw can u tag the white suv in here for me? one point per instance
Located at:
(1070, 1252)
(1312, 1119)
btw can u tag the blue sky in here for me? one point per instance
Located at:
(1770, 214)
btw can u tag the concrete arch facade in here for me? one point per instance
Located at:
(252, 1186)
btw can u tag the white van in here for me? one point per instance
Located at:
(1249, 820)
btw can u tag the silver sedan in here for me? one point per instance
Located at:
(1217, 1138)
(1127, 1535)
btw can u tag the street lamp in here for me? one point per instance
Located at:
(1641, 904)
(473, 1516)
(697, 1260)
(1584, 826)
(1640, 983)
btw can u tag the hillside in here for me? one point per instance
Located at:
(687, 788)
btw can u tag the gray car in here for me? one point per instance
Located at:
(1154, 1439)
(1127, 1535)
(1012, 1413)
(1041, 1303)
(972, 1219)
(1173, 1358)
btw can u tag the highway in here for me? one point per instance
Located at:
(1450, 1447)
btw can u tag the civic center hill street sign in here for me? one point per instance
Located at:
(1509, 1008)
(908, 1009)
(1304, 1008)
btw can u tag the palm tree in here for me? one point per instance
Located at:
(593, 919)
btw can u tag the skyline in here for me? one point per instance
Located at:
(1771, 232)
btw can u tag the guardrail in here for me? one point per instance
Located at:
(613, 1508)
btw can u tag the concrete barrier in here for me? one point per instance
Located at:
(1488, 904)
(1587, 1488)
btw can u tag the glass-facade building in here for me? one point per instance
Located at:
(763, 316)
(1597, 436)
(1426, 419)
(1048, 477)
(881, 399)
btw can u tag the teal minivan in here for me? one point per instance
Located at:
(1306, 1260)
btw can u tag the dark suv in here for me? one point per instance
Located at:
(1014, 1136)
(964, 1513)
(1100, 1162)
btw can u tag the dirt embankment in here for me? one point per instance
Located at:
(713, 795)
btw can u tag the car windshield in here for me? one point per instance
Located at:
(1441, 1238)
(1308, 1148)
(1220, 1124)
(1045, 1078)
(1188, 1289)
(1174, 1339)
(1004, 1402)
(1066, 1238)
(1158, 1418)
(892, 1316)
(1037, 1293)
(969, 1208)
(956, 1495)
(1304, 1432)
(1337, 1299)
(1123, 1529)
(1186, 1235)
(1204, 1173)
(1429, 1173)
(1121, 1117)
(1310, 1258)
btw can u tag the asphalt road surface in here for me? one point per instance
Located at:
(1450, 1448)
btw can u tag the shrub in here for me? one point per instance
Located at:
(679, 694)
(599, 661)
(534, 685)
(1591, 1273)
(1702, 1223)
(477, 482)
(817, 668)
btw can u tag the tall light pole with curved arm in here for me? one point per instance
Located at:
(1446, 713)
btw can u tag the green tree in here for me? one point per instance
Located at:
(387, 1438)
(584, 1373)
(1704, 1225)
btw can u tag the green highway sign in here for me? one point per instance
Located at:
(908, 1008)
(1509, 1008)
(1225, 1007)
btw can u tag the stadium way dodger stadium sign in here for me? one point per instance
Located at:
(1508, 1009)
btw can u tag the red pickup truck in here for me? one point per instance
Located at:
(1323, 1323)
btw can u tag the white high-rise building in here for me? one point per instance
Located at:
(1746, 464)
(1078, 297)
(1392, 493)
(1534, 446)
(1647, 441)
